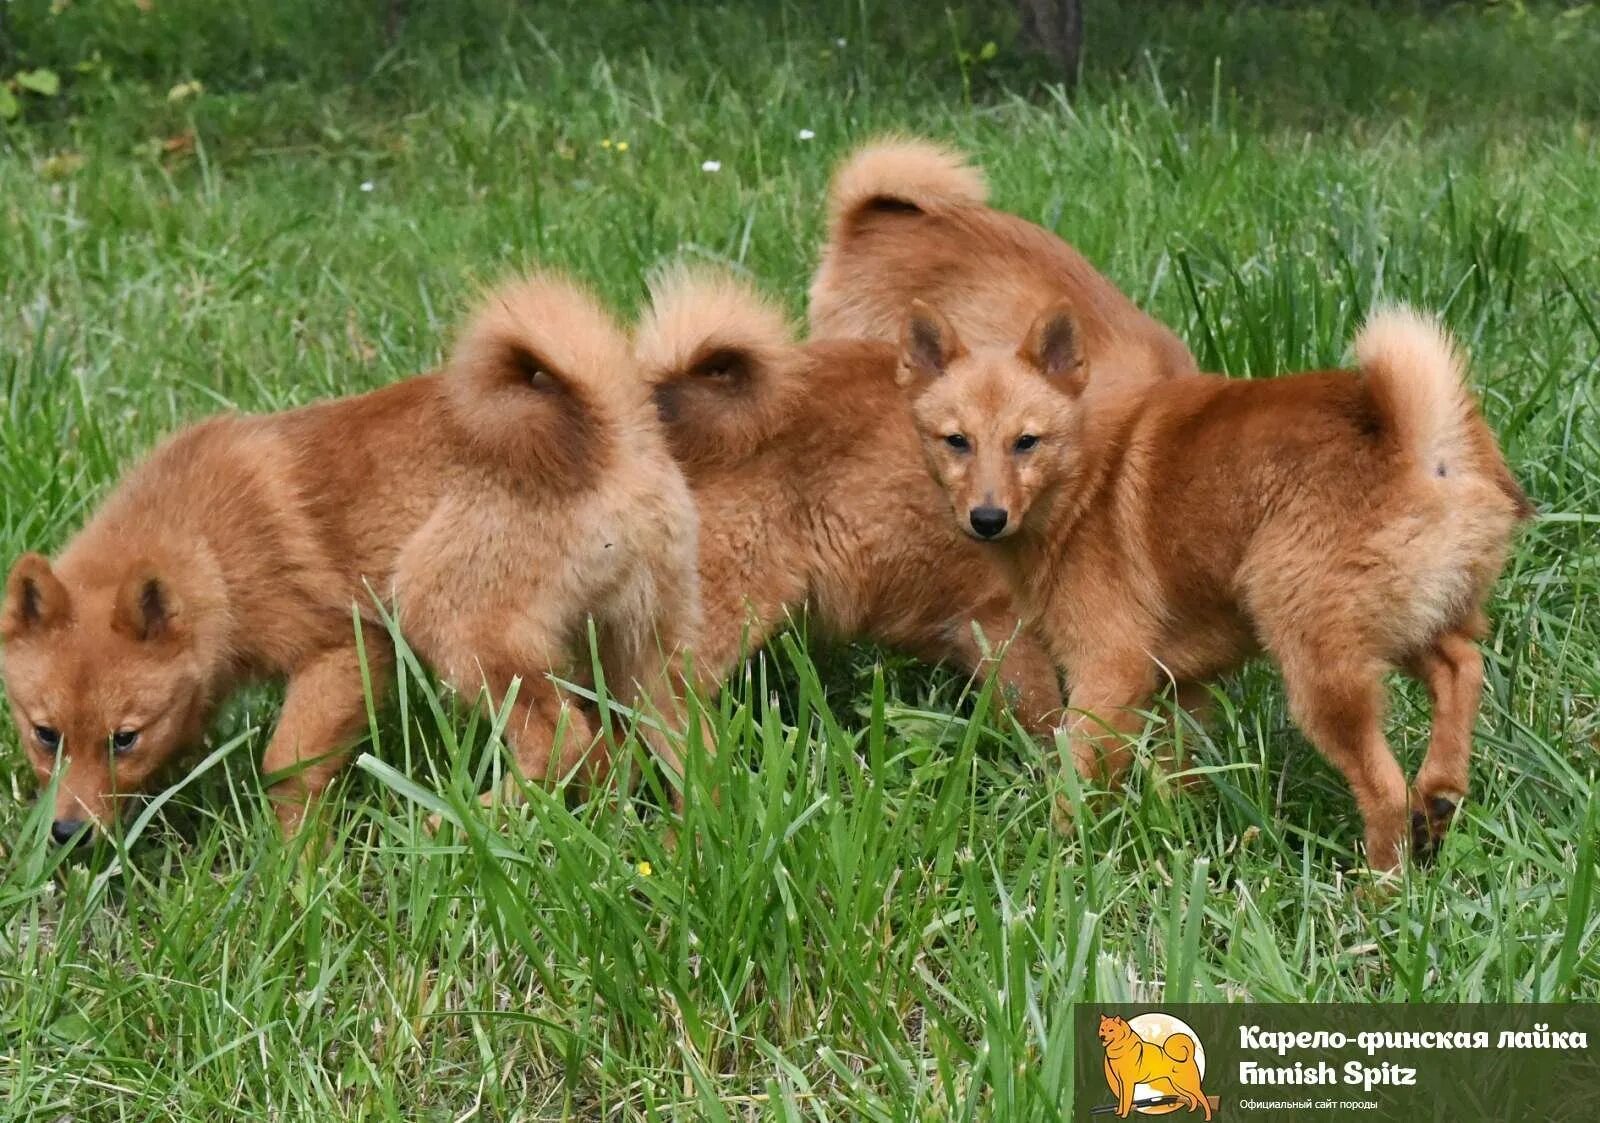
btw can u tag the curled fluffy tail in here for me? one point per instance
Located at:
(901, 174)
(1179, 1046)
(1414, 374)
(542, 327)
(542, 375)
(721, 363)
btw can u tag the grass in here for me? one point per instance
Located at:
(877, 920)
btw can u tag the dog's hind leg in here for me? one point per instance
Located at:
(549, 736)
(736, 627)
(480, 610)
(324, 710)
(645, 668)
(548, 733)
(1339, 703)
(1186, 1086)
(1452, 669)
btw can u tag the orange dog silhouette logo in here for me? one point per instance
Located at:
(1154, 1065)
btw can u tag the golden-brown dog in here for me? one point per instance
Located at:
(908, 221)
(811, 490)
(1169, 1068)
(1347, 522)
(496, 506)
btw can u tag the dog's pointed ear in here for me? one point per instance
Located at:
(928, 345)
(35, 598)
(147, 608)
(1051, 347)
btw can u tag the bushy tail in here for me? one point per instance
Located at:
(542, 326)
(902, 174)
(721, 362)
(1414, 373)
(542, 360)
(1179, 1046)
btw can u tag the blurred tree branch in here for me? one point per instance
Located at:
(1056, 28)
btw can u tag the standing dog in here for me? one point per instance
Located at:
(1169, 1068)
(498, 504)
(1347, 522)
(811, 491)
(908, 220)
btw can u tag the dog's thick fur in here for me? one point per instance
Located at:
(1169, 1069)
(806, 471)
(908, 220)
(1347, 522)
(496, 505)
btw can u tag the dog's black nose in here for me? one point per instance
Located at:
(65, 830)
(987, 521)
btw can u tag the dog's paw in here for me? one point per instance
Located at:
(1375, 887)
(1431, 816)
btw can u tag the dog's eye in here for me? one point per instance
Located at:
(123, 740)
(1026, 442)
(49, 739)
(957, 442)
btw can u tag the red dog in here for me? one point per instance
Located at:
(1347, 521)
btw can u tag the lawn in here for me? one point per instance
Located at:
(250, 208)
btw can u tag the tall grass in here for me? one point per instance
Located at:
(876, 920)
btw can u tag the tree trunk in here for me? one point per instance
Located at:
(1056, 27)
(394, 17)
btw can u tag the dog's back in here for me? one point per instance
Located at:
(1347, 522)
(812, 491)
(909, 220)
(496, 504)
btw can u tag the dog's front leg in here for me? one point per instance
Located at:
(1105, 707)
(1125, 1098)
(323, 712)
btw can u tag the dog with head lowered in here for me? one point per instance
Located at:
(805, 468)
(495, 507)
(1346, 522)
